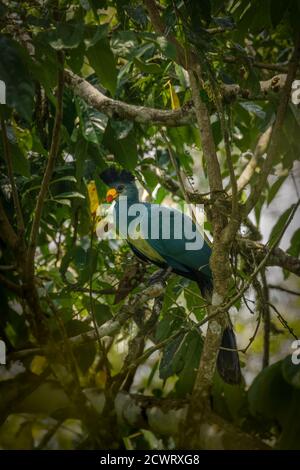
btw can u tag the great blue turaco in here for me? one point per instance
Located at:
(168, 252)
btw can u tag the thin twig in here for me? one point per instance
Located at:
(275, 136)
(250, 168)
(284, 289)
(266, 320)
(16, 288)
(262, 263)
(283, 321)
(8, 159)
(92, 309)
(49, 170)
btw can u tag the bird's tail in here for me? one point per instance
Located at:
(228, 363)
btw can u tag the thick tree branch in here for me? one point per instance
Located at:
(145, 115)
(277, 257)
(120, 110)
(199, 403)
(208, 145)
(267, 88)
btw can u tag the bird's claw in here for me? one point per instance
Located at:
(159, 276)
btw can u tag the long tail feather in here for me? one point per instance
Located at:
(228, 363)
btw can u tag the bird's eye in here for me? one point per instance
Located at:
(120, 187)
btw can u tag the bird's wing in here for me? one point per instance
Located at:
(170, 235)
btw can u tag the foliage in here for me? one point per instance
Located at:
(79, 279)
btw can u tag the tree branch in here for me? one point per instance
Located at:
(267, 87)
(184, 57)
(251, 166)
(277, 257)
(10, 285)
(48, 172)
(284, 289)
(208, 145)
(199, 403)
(275, 136)
(266, 320)
(146, 115)
(164, 416)
(263, 262)
(280, 68)
(8, 158)
(120, 110)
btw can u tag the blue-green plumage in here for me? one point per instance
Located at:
(148, 240)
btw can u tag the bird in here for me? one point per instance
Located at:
(141, 223)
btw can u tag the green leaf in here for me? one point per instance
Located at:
(171, 321)
(194, 302)
(198, 11)
(92, 122)
(278, 227)
(166, 47)
(225, 22)
(93, 34)
(251, 107)
(102, 60)
(80, 156)
(20, 163)
(272, 397)
(121, 128)
(147, 68)
(85, 353)
(269, 393)
(70, 195)
(125, 150)
(278, 9)
(102, 313)
(64, 178)
(294, 248)
(291, 372)
(189, 357)
(65, 36)
(15, 74)
(137, 14)
(44, 68)
(167, 367)
(275, 188)
(230, 401)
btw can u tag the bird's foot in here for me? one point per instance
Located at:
(159, 276)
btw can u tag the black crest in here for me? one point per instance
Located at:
(111, 175)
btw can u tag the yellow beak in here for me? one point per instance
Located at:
(111, 195)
